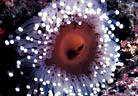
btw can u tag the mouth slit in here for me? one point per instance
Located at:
(80, 48)
(72, 54)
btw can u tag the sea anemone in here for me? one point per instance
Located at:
(69, 47)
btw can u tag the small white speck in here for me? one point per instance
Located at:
(18, 37)
(20, 29)
(11, 74)
(35, 79)
(6, 42)
(35, 60)
(33, 65)
(102, 1)
(25, 50)
(17, 89)
(21, 73)
(48, 71)
(54, 5)
(91, 85)
(39, 32)
(117, 12)
(61, 3)
(48, 82)
(121, 26)
(117, 23)
(12, 41)
(41, 80)
(110, 81)
(54, 84)
(28, 95)
(89, 4)
(41, 89)
(40, 14)
(44, 83)
(66, 79)
(28, 86)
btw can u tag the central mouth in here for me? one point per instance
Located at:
(75, 48)
(72, 54)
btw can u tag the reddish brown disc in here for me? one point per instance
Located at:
(75, 48)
